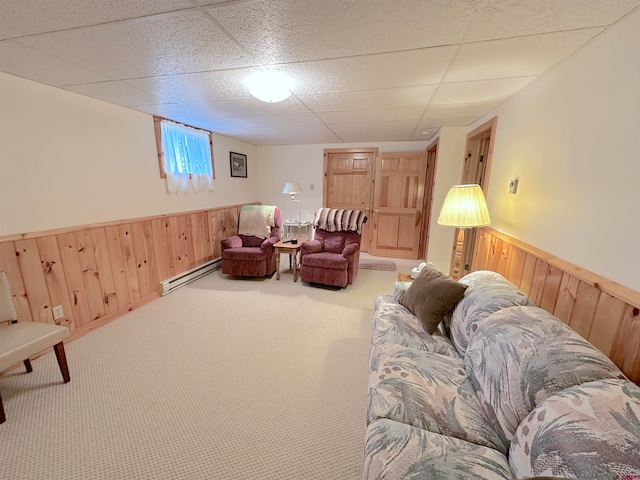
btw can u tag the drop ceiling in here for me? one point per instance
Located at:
(364, 70)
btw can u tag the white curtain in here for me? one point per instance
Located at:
(187, 158)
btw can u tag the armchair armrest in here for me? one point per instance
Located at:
(269, 242)
(350, 249)
(310, 246)
(231, 242)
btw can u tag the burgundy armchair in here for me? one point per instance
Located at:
(251, 255)
(332, 257)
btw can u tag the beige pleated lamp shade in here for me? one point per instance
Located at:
(464, 207)
(292, 188)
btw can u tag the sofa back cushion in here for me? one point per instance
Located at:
(587, 431)
(488, 292)
(520, 356)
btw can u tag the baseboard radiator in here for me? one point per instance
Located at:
(169, 285)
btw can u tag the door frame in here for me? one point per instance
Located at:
(427, 202)
(462, 251)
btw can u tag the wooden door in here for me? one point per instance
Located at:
(348, 175)
(398, 203)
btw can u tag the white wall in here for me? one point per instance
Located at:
(573, 139)
(448, 173)
(304, 164)
(68, 160)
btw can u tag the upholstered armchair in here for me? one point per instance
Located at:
(251, 252)
(332, 257)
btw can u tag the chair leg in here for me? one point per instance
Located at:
(2, 416)
(62, 361)
(27, 365)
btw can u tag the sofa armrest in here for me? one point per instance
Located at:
(350, 249)
(269, 242)
(310, 246)
(231, 242)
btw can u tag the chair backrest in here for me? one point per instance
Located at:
(7, 308)
(253, 241)
(334, 242)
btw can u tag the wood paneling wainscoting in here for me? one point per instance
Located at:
(98, 272)
(602, 311)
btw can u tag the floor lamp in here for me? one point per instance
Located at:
(464, 207)
(292, 188)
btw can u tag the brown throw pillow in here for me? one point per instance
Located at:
(431, 295)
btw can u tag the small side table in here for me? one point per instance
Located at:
(291, 249)
(404, 277)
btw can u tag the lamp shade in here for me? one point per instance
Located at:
(464, 207)
(292, 188)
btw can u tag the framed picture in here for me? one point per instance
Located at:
(238, 163)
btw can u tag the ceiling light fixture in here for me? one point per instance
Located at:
(269, 86)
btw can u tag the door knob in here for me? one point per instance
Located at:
(376, 211)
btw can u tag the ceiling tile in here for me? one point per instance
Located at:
(27, 62)
(480, 91)
(400, 69)
(516, 57)
(298, 30)
(430, 123)
(303, 134)
(385, 131)
(513, 18)
(458, 110)
(251, 106)
(117, 92)
(411, 114)
(369, 99)
(49, 16)
(192, 87)
(175, 43)
(282, 120)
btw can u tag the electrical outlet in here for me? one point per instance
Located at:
(513, 186)
(58, 312)
(312, 186)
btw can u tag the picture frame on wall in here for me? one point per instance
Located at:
(238, 164)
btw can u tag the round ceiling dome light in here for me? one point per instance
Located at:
(269, 86)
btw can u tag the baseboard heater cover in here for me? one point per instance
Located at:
(169, 285)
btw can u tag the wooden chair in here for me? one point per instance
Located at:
(21, 340)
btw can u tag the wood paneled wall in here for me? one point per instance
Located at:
(604, 312)
(98, 272)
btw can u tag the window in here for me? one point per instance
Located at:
(185, 155)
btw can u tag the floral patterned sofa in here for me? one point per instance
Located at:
(503, 389)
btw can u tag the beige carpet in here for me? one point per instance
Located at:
(374, 264)
(222, 379)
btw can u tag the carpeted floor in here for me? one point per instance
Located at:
(222, 379)
(375, 264)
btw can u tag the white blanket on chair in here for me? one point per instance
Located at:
(256, 220)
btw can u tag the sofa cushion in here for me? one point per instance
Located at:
(395, 450)
(431, 295)
(590, 431)
(429, 391)
(520, 356)
(393, 323)
(488, 292)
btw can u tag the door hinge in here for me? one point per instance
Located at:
(481, 158)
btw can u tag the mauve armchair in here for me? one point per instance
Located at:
(332, 257)
(250, 255)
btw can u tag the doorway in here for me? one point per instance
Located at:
(394, 189)
(476, 169)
